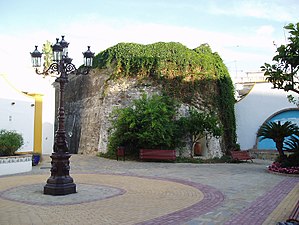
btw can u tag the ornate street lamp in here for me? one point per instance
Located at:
(60, 182)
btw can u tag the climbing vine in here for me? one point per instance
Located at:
(194, 76)
(159, 59)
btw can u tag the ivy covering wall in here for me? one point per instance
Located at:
(194, 76)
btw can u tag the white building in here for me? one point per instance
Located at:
(262, 103)
(29, 115)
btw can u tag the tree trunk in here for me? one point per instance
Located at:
(279, 146)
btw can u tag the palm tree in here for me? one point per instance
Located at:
(277, 133)
(292, 144)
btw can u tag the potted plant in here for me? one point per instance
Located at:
(10, 142)
(10, 162)
(35, 158)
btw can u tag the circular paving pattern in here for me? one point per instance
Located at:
(33, 194)
(106, 199)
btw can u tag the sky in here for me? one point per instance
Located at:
(241, 31)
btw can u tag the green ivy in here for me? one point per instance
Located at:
(225, 102)
(159, 59)
(185, 74)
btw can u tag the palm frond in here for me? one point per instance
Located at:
(273, 130)
(292, 144)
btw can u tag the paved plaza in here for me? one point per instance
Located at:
(149, 193)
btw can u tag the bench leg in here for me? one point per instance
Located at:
(122, 156)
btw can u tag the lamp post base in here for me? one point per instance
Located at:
(59, 189)
(60, 182)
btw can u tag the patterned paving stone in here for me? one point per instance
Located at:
(135, 199)
(158, 193)
(33, 194)
(260, 209)
(282, 211)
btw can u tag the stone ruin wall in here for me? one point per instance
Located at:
(90, 99)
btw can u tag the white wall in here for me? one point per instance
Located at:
(253, 110)
(17, 113)
(48, 114)
(20, 116)
(15, 164)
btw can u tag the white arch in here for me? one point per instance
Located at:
(252, 111)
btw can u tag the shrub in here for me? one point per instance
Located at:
(10, 141)
(223, 159)
(151, 123)
(148, 123)
(289, 161)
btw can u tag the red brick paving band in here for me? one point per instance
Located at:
(262, 207)
(212, 199)
(257, 212)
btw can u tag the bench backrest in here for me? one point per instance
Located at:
(294, 217)
(157, 154)
(240, 154)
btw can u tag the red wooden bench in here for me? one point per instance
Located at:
(294, 217)
(241, 155)
(120, 152)
(157, 154)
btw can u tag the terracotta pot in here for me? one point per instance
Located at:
(197, 149)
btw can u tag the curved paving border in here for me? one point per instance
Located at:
(283, 174)
(212, 198)
(259, 210)
(34, 194)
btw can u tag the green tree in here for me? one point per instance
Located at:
(148, 123)
(48, 54)
(278, 133)
(283, 73)
(198, 125)
(292, 144)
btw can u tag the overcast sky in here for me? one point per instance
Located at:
(242, 32)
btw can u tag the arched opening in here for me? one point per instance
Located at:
(291, 115)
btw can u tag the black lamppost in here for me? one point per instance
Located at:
(60, 182)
